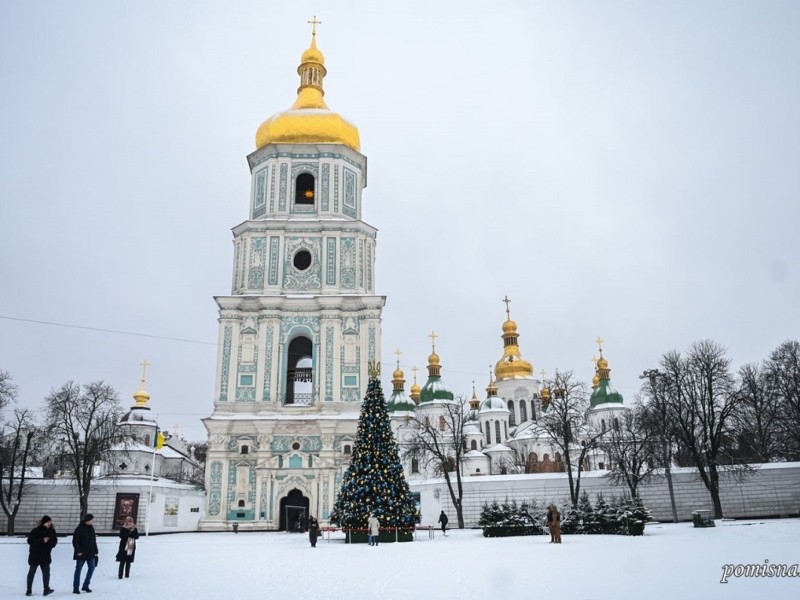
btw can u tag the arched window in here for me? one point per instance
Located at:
(488, 434)
(602, 424)
(512, 417)
(616, 424)
(304, 189)
(347, 449)
(497, 431)
(523, 412)
(147, 440)
(473, 445)
(245, 449)
(241, 503)
(441, 422)
(299, 372)
(414, 465)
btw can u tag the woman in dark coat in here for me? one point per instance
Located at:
(128, 534)
(313, 531)
(41, 541)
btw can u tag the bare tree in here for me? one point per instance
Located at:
(564, 424)
(658, 419)
(84, 419)
(782, 370)
(437, 442)
(758, 417)
(8, 390)
(630, 447)
(15, 453)
(701, 394)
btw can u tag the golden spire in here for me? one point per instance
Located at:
(414, 387)
(142, 396)
(474, 403)
(596, 378)
(511, 365)
(434, 369)
(602, 370)
(491, 389)
(398, 380)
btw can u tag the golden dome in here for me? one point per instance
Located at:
(398, 373)
(415, 388)
(602, 363)
(509, 326)
(511, 365)
(141, 396)
(433, 359)
(545, 393)
(309, 120)
(595, 381)
(312, 54)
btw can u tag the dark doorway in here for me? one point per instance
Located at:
(293, 512)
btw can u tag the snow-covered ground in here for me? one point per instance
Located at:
(670, 561)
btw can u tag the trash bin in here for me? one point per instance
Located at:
(703, 518)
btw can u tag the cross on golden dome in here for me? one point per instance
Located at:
(508, 309)
(398, 354)
(433, 337)
(415, 369)
(313, 22)
(599, 341)
(144, 366)
(543, 373)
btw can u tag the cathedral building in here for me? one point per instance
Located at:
(301, 324)
(504, 433)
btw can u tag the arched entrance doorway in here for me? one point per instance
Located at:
(293, 511)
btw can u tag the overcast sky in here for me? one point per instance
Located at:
(629, 170)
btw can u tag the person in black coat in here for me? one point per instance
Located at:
(313, 531)
(443, 520)
(128, 534)
(84, 542)
(41, 541)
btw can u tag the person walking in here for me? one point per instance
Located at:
(443, 520)
(84, 543)
(373, 529)
(128, 534)
(313, 531)
(41, 541)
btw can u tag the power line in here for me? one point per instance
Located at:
(116, 331)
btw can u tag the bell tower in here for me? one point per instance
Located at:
(302, 321)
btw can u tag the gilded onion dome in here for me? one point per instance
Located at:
(309, 120)
(511, 365)
(415, 387)
(399, 402)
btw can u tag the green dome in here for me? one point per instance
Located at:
(400, 403)
(434, 390)
(605, 394)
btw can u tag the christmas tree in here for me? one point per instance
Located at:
(374, 482)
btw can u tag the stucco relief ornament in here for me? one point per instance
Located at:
(218, 442)
(374, 369)
(327, 441)
(264, 441)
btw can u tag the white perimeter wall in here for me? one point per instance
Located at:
(59, 500)
(773, 490)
